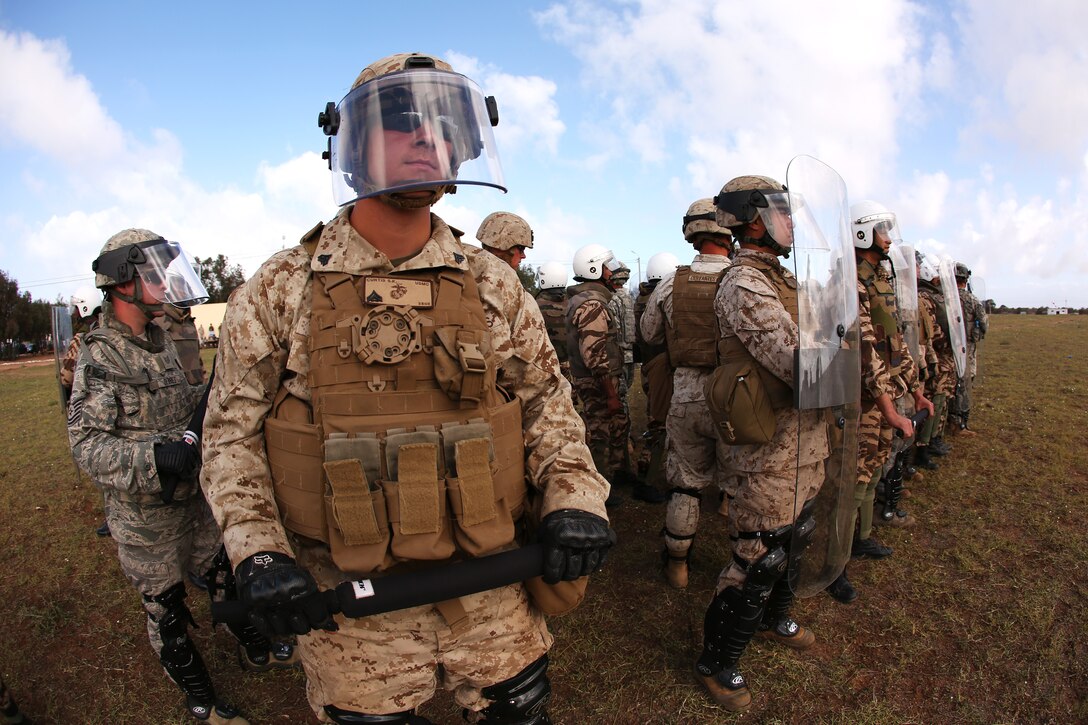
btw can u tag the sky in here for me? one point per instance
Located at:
(198, 120)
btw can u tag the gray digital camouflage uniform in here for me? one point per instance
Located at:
(128, 394)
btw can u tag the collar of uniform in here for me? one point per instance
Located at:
(769, 257)
(866, 269)
(150, 340)
(710, 258)
(342, 249)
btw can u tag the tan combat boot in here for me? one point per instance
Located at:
(676, 571)
(728, 689)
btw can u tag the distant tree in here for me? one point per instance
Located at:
(220, 277)
(529, 279)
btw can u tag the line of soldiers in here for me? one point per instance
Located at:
(385, 400)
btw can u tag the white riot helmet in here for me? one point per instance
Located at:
(660, 266)
(590, 261)
(870, 218)
(552, 275)
(927, 269)
(86, 302)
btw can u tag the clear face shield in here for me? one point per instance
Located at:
(777, 218)
(411, 130)
(164, 268)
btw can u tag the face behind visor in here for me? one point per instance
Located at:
(409, 130)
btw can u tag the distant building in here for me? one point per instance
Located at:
(1057, 310)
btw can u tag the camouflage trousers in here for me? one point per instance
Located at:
(765, 500)
(904, 405)
(607, 433)
(393, 662)
(874, 449)
(696, 457)
(159, 545)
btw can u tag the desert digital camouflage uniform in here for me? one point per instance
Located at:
(553, 308)
(179, 324)
(656, 380)
(129, 393)
(387, 662)
(696, 455)
(595, 354)
(775, 478)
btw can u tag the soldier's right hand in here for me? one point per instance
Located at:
(283, 597)
(176, 458)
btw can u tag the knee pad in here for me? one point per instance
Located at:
(764, 572)
(521, 700)
(348, 717)
(174, 622)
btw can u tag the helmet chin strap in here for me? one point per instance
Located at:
(136, 298)
(769, 242)
(410, 200)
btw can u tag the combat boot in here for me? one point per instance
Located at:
(869, 549)
(938, 447)
(925, 460)
(966, 432)
(841, 590)
(789, 633)
(103, 530)
(276, 656)
(728, 688)
(219, 713)
(675, 567)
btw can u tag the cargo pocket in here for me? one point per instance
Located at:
(482, 517)
(355, 511)
(415, 497)
(294, 460)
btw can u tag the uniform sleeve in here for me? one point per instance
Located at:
(111, 460)
(875, 380)
(654, 318)
(250, 363)
(558, 463)
(590, 323)
(751, 308)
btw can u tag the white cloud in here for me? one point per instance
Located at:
(1030, 64)
(528, 112)
(745, 97)
(44, 104)
(921, 201)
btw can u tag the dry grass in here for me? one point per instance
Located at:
(979, 616)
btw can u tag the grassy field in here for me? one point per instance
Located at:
(979, 617)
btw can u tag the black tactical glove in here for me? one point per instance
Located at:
(177, 458)
(576, 543)
(174, 460)
(283, 598)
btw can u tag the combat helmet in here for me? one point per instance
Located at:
(744, 199)
(503, 230)
(702, 217)
(161, 267)
(444, 126)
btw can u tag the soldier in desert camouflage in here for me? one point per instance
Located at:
(507, 236)
(756, 307)
(386, 399)
(680, 313)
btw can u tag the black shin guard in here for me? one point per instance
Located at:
(521, 700)
(784, 590)
(179, 656)
(893, 491)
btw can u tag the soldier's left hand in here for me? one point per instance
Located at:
(576, 544)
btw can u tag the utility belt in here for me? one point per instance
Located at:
(377, 496)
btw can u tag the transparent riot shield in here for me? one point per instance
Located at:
(62, 338)
(827, 371)
(904, 267)
(957, 334)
